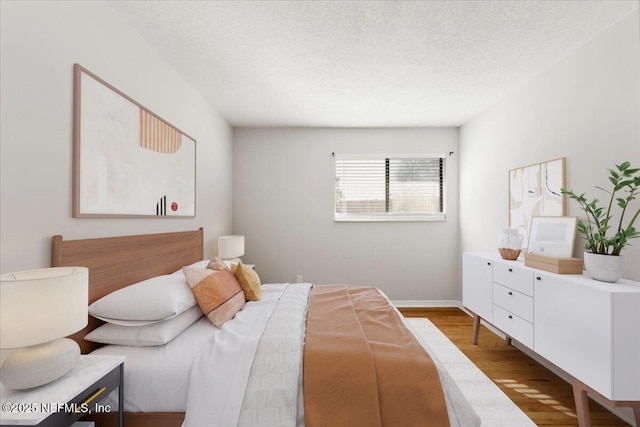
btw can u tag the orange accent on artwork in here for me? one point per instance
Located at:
(156, 135)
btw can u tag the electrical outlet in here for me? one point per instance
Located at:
(299, 278)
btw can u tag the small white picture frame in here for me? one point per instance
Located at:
(552, 236)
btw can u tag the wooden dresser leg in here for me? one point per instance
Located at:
(476, 329)
(508, 340)
(582, 403)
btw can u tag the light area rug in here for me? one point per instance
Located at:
(493, 407)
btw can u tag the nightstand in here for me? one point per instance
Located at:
(65, 400)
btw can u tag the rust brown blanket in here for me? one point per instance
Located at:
(363, 367)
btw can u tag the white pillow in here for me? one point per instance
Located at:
(146, 302)
(142, 336)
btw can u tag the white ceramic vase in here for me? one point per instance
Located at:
(605, 268)
(509, 243)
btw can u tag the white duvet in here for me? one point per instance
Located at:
(211, 374)
(220, 372)
(156, 379)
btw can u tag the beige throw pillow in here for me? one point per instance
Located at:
(217, 264)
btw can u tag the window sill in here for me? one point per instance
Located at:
(390, 218)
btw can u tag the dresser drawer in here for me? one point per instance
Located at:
(514, 326)
(513, 277)
(513, 301)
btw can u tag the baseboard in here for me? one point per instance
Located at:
(426, 303)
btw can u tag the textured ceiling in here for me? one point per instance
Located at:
(363, 63)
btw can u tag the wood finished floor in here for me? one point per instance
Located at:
(546, 398)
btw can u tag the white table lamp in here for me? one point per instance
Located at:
(230, 248)
(37, 309)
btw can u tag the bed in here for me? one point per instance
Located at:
(160, 380)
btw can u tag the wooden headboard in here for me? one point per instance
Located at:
(116, 262)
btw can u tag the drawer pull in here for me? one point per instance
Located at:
(488, 263)
(90, 399)
(510, 317)
(510, 293)
(538, 278)
(510, 270)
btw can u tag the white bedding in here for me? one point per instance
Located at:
(274, 391)
(220, 371)
(157, 378)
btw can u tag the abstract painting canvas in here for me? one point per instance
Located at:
(128, 162)
(535, 190)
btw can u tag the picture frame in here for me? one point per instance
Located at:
(552, 236)
(127, 161)
(535, 190)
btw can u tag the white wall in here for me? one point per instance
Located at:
(40, 42)
(283, 196)
(585, 108)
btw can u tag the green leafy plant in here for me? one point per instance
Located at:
(601, 237)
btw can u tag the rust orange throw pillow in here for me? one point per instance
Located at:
(218, 293)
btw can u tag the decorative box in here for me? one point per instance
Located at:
(554, 265)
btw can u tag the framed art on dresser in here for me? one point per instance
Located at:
(127, 161)
(552, 236)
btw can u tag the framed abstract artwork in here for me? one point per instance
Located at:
(127, 161)
(535, 190)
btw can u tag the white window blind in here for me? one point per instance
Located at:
(389, 188)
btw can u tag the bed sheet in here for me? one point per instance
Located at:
(156, 379)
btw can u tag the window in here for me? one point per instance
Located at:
(389, 188)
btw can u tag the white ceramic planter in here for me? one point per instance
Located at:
(606, 268)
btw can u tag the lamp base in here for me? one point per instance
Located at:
(39, 364)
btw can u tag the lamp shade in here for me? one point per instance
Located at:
(38, 306)
(230, 246)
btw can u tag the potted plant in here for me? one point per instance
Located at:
(607, 234)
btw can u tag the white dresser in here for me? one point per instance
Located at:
(589, 329)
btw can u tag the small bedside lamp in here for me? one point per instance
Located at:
(37, 309)
(231, 247)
